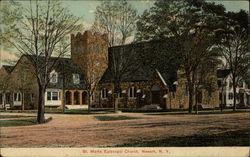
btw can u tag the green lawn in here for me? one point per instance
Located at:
(112, 118)
(12, 116)
(19, 122)
(233, 138)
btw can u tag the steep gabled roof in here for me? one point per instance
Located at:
(140, 71)
(65, 68)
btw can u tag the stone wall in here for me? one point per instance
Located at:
(142, 96)
(90, 52)
(179, 99)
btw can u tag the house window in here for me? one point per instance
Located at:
(53, 96)
(1, 98)
(32, 97)
(131, 92)
(17, 96)
(7, 98)
(230, 84)
(76, 78)
(230, 96)
(53, 77)
(104, 93)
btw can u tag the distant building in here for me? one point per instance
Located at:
(226, 90)
(90, 58)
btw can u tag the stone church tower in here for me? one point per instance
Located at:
(90, 52)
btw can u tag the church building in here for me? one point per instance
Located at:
(92, 65)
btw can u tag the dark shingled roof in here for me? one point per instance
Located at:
(65, 68)
(141, 72)
(222, 73)
(8, 68)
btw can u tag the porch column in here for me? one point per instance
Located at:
(63, 99)
(80, 101)
(72, 97)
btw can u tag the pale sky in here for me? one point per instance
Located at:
(85, 9)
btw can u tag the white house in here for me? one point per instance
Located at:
(226, 90)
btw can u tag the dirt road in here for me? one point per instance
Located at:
(86, 130)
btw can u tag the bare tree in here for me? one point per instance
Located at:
(234, 48)
(39, 35)
(124, 61)
(117, 19)
(93, 76)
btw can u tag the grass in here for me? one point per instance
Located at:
(12, 116)
(232, 138)
(21, 122)
(112, 118)
(202, 112)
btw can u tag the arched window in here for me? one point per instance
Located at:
(68, 97)
(76, 98)
(84, 98)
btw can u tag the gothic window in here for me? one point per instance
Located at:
(131, 92)
(76, 78)
(53, 77)
(104, 93)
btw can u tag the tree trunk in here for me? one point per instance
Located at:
(89, 102)
(23, 101)
(115, 102)
(196, 100)
(115, 97)
(63, 96)
(41, 105)
(191, 93)
(222, 97)
(4, 101)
